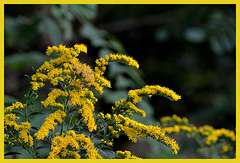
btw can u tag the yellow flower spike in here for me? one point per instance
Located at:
(52, 96)
(135, 95)
(14, 106)
(50, 124)
(86, 106)
(134, 129)
(102, 62)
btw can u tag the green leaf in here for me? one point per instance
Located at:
(18, 111)
(20, 61)
(216, 46)
(41, 147)
(84, 11)
(161, 35)
(35, 113)
(104, 51)
(95, 35)
(116, 45)
(107, 154)
(195, 34)
(50, 28)
(117, 69)
(8, 100)
(61, 13)
(123, 82)
(10, 30)
(112, 96)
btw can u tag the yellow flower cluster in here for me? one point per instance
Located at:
(131, 108)
(52, 96)
(67, 52)
(134, 129)
(76, 78)
(103, 62)
(80, 48)
(101, 67)
(75, 83)
(136, 95)
(16, 105)
(86, 75)
(131, 128)
(101, 82)
(210, 134)
(165, 120)
(69, 143)
(57, 69)
(50, 124)
(126, 155)
(177, 129)
(213, 137)
(10, 121)
(205, 130)
(128, 105)
(24, 136)
(86, 100)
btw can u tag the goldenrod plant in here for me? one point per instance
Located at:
(73, 129)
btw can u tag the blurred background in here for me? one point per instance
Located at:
(188, 48)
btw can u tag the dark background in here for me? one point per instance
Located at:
(188, 48)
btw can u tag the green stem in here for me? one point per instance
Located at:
(65, 110)
(24, 147)
(70, 121)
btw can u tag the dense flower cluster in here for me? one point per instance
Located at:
(10, 122)
(69, 143)
(207, 134)
(132, 129)
(215, 134)
(211, 135)
(74, 97)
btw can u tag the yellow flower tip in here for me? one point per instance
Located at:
(126, 155)
(80, 48)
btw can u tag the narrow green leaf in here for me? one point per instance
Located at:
(35, 113)
(35, 128)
